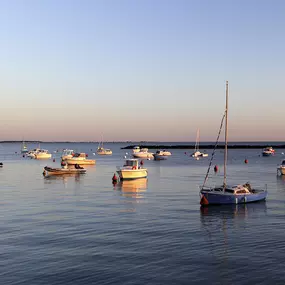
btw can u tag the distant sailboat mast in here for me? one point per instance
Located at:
(226, 137)
(198, 139)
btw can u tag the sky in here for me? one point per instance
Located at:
(141, 70)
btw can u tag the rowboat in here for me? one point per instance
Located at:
(61, 171)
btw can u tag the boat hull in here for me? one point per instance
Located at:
(43, 156)
(159, 157)
(65, 157)
(80, 161)
(221, 198)
(104, 152)
(143, 155)
(166, 153)
(130, 174)
(199, 154)
(61, 171)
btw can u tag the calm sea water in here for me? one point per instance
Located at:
(84, 230)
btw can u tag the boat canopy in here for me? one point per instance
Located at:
(131, 162)
(82, 154)
(67, 152)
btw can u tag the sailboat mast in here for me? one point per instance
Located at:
(198, 139)
(226, 137)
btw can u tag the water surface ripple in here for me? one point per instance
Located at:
(84, 230)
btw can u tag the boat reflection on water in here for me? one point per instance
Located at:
(132, 188)
(225, 224)
(280, 181)
(62, 178)
(232, 211)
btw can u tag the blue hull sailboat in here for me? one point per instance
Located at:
(226, 194)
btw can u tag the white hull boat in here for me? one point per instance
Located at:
(131, 170)
(197, 154)
(143, 153)
(67, 154)
(281, 168)
(42, 154)
(80, 159)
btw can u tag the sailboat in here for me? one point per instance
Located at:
(24, 148)
(196, 152)
(226, 194)
(103, 151)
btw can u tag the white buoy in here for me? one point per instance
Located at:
(93, 153)
(125, 156)
(282, 153)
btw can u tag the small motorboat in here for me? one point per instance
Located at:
(64, 170)
(32, 153)
(268, 151)
(131, 170)
(281, 168)
(165, 152)
(198, 154)
(43, 154)
(67, 153)
(80, 158)
(159, 155)
(104, 151)
(143, 153)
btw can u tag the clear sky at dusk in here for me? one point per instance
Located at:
(151, 70)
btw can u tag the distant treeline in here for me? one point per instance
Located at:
(210, 146)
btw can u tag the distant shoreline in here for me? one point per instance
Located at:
(209, 146)
(170, 145)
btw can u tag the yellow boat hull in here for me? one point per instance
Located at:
(129, 174)
(80, 161)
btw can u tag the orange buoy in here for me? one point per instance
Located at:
(204, 201)
(245, 161)
(216, 168)
(114, 179)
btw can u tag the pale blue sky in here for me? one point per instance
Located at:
(141, 69)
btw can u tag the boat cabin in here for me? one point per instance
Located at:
(42, 151)
(82, 154)
(67, 152)
(132, 163)
(136, 149)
